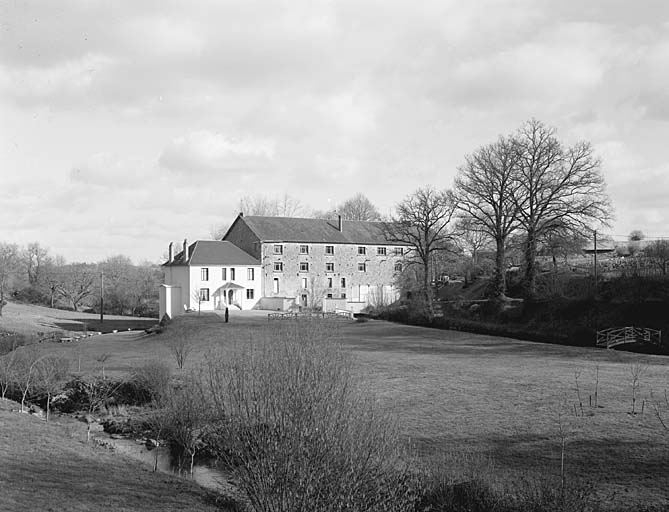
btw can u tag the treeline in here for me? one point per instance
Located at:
(527, 187)
(32, 274)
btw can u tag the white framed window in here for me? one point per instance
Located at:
(399, 251)
(329, 282)
(343, 295)
(304, 266)
(276, 285)
(305, 283)
(398, 267)
(381, 251)
(329, 249)
(232, 274)
(278, 266)
(362, 267)
(343, 282)
(249, 293)
(278, 249)
(329, 267)
(204, 274)
(362, 251)
(250, 274)
(204, 294)
(304, 249)
(329, 295)
(224, 274)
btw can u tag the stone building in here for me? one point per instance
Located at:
(320, 263)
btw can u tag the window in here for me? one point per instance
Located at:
(204, 294)
(232, 274)
(381, 251)
(362, 267)
(343, 295)
(343, 282)
(304, 283)
(250, 274)
(329, 296)
(249, 293)
(329, 282)
(329, 249)
(204, 274)
(304, 249)
(304, 266)
(329, 267)
(278, 249)
(278, 266)
(399, 251)
(276, 285)
(362, 251)
(224, 274)
(398, 267)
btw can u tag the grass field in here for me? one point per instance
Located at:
(50, 467)
(455, 393)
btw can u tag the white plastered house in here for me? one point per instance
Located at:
(209, 275)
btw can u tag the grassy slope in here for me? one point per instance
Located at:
(455, 391)
(50, 467)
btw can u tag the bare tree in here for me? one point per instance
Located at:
(51, 370)
(658, 252)
(557, 186)
(637, 369)
(358, 208)
(27, 358)
(180, 347)
(9, 263)
(53, 276)
(34, 257)
(102, 359)
(485, 188)
(283, 206)
(423, 221)
(77, 283)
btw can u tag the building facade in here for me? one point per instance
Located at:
(320, 263)
(209, 275)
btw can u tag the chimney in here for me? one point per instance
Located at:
(185, 252)
(241, 214)
(170, 253)
(341, 224)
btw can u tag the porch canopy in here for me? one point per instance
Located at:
(231, 286)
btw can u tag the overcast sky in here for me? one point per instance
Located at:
(124, 125)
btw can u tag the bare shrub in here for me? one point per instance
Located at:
(154, 378)
(299, 434)
(51, 371)
(180, 347)
(637, 369)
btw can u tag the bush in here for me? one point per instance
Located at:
(298, 433)
(152, 381)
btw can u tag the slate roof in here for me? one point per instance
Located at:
(293, 229)
(213, 252)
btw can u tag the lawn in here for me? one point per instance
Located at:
(455, 393)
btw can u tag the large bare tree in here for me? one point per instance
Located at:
(485, 187)
(359, 207)
(34, 258)
(283, 206)
(423, 221)
(557, 187)
(9, 264)
(77, 283)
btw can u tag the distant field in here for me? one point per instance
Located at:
(456, 392)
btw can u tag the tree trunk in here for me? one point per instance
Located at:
(500, 271)
(529, 283)
(426, 288)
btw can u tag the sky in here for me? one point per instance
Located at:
(126, 125)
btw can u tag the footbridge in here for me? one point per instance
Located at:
(615, 336)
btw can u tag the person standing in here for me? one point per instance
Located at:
(226, 314)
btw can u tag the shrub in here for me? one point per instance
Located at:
(299, 433)
(152, 381)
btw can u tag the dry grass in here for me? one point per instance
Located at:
(456, 392)
(50, 467)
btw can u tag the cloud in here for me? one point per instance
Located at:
(112, 172)
(205, 152)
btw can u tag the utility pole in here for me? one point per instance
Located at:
(102, 296)
(595, 261)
